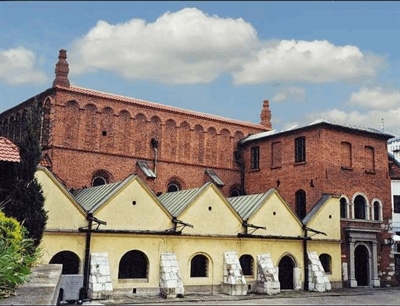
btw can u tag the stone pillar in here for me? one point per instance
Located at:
(352, 276)
(375, 278)
(317, 280)
(100, 283)
(171, 284)
(297, 283)
(234, 282)
(267, 275)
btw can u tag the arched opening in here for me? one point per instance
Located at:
(100, 177)
(359, 207)
(361, 265)
(326, 262)
(301, 203)
(247, 264)
(173, 186)
(377, 211)
(134, 264)
(343, 208)
(199, 266)
(286, 266)
(69, 260)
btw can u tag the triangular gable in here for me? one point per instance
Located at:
(64, 213)
(210, 213)
(325, 217)
(272, 212)
(130, 205)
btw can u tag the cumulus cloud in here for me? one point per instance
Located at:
(308, 61)
(376, 98)
(376, 108)
(18, 67)
(294, 93)
(187, 46)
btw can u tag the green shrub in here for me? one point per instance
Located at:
(16, 256)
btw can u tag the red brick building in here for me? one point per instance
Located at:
(91, 137)
(304, 163)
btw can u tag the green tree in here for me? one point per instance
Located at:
(26, 201)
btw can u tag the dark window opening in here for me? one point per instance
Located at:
(69, 260)
(174, 186)
(396, 204)
(343, 208)
(199, 266)
(97, 181)
(101, 177)
(359, 207)
(134, 264)
(326, 262)
(255, 158)
(301, 204)
(300, 149)
(247, 263)
(235, 192)
(377, 211)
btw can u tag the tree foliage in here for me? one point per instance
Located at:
(26, 201)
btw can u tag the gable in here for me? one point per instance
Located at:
(211, 214)
(326, 219)
(277, 217)
(134, 207)
(64, 213)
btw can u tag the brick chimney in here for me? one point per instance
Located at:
(266, 115)
(62, 69)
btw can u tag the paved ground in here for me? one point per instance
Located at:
(354, 296)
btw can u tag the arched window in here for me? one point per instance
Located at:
(343, 208)
(199, 266)
(173, 186)
(326, 262)
(377, 211)
(235, 191)
(100, 177)
(247, 264)
(359, 207)
(69, 260)
(301, 203)
(134, 264)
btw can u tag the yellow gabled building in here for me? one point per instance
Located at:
(136, 229)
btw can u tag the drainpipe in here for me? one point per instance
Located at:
(86, 269)
(240, 163)
(305, 259)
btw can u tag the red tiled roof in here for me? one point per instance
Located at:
(8, 151)
(159, 106)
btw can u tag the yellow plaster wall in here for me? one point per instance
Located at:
(327, 220)
(147, 214)
(282, 223)
(220, 220)
(63, 213)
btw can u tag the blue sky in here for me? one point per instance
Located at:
(334, 60)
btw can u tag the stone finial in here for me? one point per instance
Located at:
(266, 115)
(62, 69)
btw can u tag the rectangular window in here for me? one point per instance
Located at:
(300, 149)
(369, 159)
(346, 156)
(276, 155)
(255, 158)
(396, 204)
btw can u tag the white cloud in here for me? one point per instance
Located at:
(182, 47)
(18, 67)
(308, 61)
(376, 98)
(295, 93)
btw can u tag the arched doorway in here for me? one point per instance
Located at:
(361, 265)
(286, 266)
(69, 260)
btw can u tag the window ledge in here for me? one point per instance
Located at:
(299, 163)
(276, 167)
(133, 280)
(346, 168)
(254, 170)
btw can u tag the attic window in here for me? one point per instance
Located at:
(144, 166)
(214, 177)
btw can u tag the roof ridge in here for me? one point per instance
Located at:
(158, 105)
